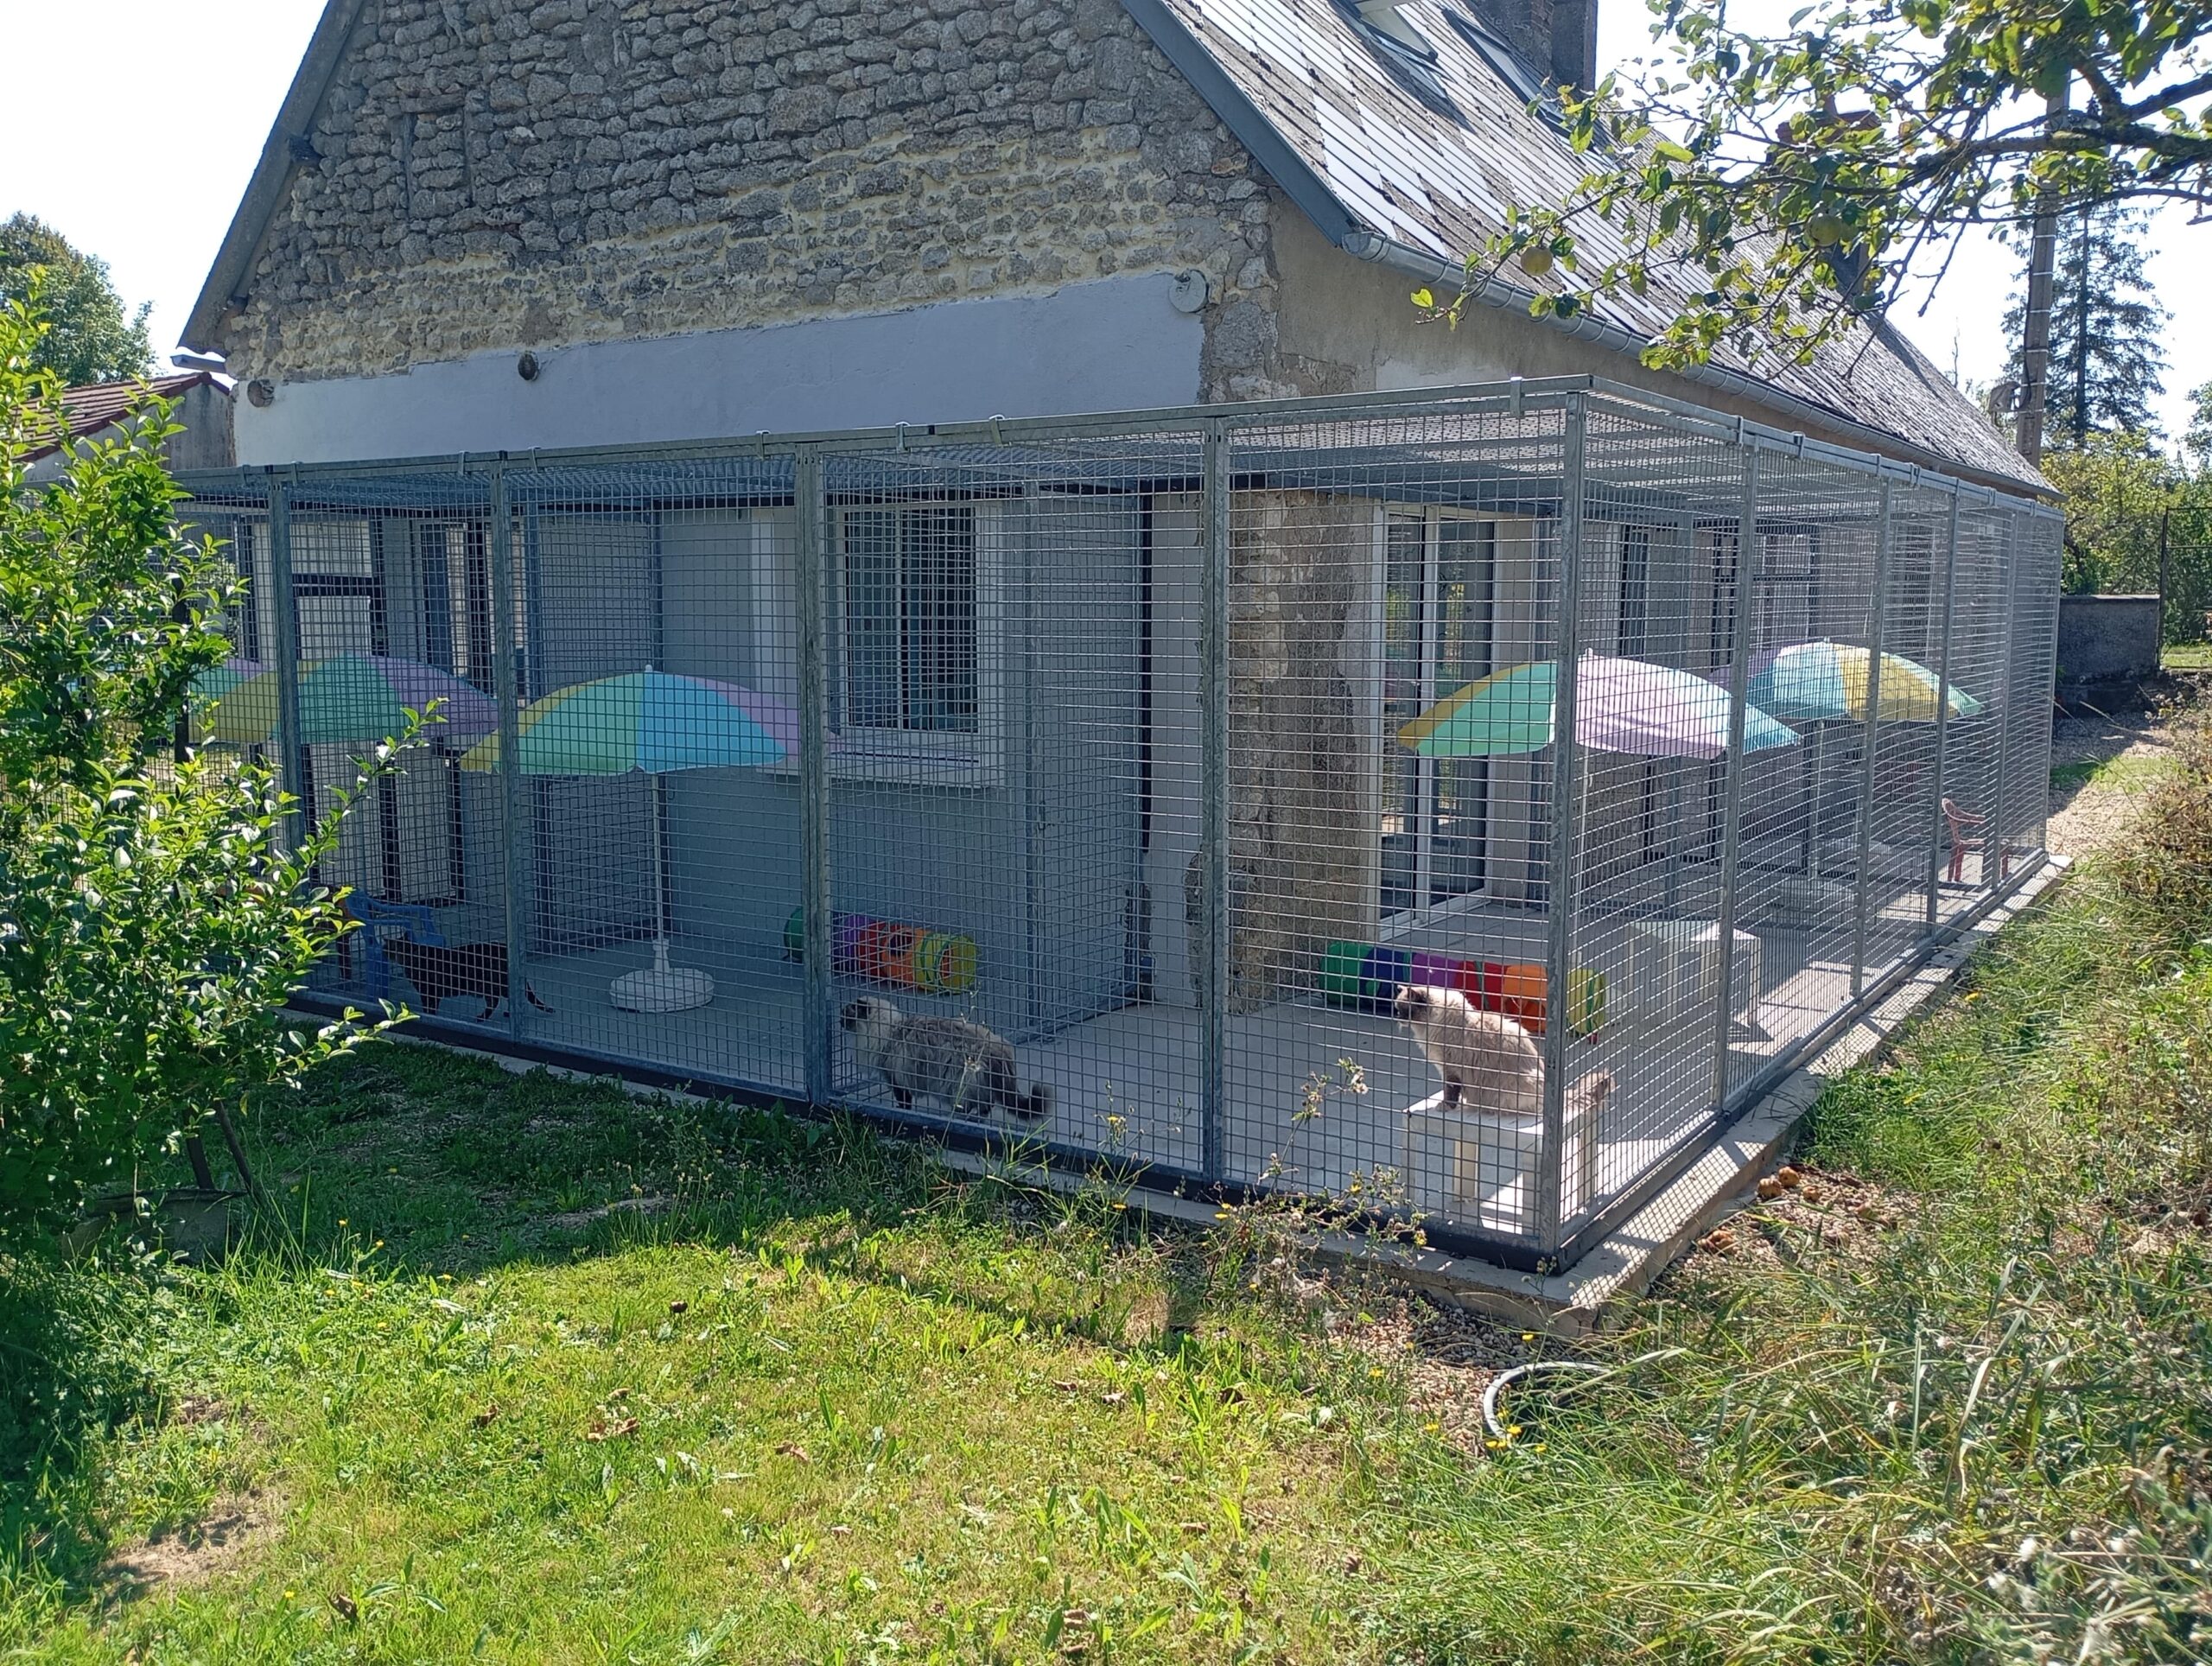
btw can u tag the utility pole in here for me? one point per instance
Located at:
(2035, 333)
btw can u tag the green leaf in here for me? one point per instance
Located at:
(1423, 298)
(1672, 151)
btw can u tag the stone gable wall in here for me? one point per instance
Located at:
(493, 174)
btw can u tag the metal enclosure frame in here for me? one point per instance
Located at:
(1026, 681)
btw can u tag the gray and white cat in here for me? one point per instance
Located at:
(1486, 1057)
(952, 1059)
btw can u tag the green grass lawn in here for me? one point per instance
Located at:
(535, 1370)
(2187, 657)
(547, 1372)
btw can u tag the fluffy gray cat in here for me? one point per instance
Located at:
(1486, 1057)
(951, 1060)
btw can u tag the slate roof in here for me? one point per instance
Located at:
(97, 405)
(1425, 149)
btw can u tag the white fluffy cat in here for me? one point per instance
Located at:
(1487, 1058)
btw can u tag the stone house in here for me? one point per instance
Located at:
(703, 219)
(489, 227)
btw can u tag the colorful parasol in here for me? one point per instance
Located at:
(1621, 705)
(655, 722)
(219, 680)
(349, 698)
(1826, 682)
(210, 686)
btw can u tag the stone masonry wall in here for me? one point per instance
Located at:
(489, 174)
(1302, 744)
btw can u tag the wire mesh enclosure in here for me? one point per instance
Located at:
(1467, 802)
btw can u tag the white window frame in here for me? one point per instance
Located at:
(955, 758)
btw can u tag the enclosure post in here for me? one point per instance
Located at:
(292, 772)
(507, 689)
(1566, 753)
(1873, 731)
(1213, 810)
(1993, 839)
(1732, 804)
(2165, 572)
(2047, 679)
(1943, 714)
(811, 503)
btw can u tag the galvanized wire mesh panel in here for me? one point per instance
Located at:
(1981, 653)
(654, 748)
(2036, 552)
(1375, 569)
(1655, 625)
(1900, 810)
(1011, 644)
(1459, 803)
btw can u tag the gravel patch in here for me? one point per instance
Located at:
(2089, 813)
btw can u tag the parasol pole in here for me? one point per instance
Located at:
(660, 988)
(660, 875)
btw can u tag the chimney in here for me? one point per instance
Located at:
(1575, 43)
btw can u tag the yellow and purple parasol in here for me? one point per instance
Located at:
(1827, 681)
(1627, 706)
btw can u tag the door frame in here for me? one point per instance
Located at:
(1425, 911)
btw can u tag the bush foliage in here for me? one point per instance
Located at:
(151, 919)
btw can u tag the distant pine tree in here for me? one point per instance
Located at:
(2198, 441)
(2107, 359)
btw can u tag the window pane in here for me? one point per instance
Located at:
(940, 619)
(1635, 590)
(1465, 586)
(437, 595)
(871, 618)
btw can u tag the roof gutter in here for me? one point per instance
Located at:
(272, 174)
(1434, 269)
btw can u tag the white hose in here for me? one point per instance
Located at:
(1489, 1394)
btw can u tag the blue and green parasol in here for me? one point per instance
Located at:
(649, 720)
(345, 699)
(654, 722)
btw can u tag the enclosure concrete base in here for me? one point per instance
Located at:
(1629, 1258)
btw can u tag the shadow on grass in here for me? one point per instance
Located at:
(421, 1163)
(73, 1367)
(441, 1163)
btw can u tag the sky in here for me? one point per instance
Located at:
(152, 193)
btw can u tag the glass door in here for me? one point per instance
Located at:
(1439, 582)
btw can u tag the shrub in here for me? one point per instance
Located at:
(152, 921)
(2162, 871)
